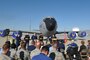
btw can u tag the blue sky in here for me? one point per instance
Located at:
(21, 14)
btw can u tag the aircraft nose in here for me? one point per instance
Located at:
(50, 23)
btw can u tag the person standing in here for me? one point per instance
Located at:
(36, 51)
(83, 50)
(27, 38)
(3, 55)
(88, 48)
(13, 50)
(34, 37)
(54, 49)
(23, 54)
(43, 54)
(82, 47)
(41, 37)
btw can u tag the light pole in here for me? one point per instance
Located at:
(30, 26)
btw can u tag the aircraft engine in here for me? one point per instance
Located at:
(17, 34)
(48, 26)
(4, 33)
(72, 35)
(82, 34)
(1, 33)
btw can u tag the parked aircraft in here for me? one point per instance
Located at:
(47, 27)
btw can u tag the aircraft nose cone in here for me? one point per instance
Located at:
(50, 23)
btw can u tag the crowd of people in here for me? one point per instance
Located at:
(37, 50)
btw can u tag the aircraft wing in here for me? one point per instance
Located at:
(57, 32)
(32, 32)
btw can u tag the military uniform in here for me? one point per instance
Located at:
(0, 50)
(4, 57)
(34, 53)
(13, 53)
(58, 55)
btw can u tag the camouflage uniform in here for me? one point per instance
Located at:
(13, 53)
(58, 55)
(4, 57)
(22, 54)
(34, 53)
